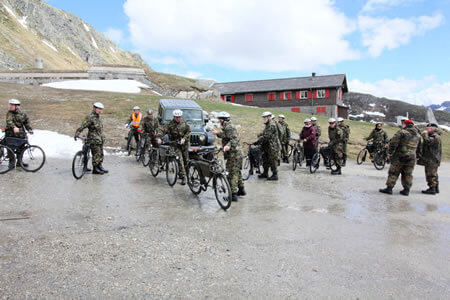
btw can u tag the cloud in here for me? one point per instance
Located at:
(266, 35)
(379, 34)
(373, 5)
(115, 35)
(425, 91)
(193, 74)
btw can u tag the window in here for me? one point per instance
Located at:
(249, 97)
(321, 109)
(286, 95)
(320, 93)
(271, 96)
(229, 98)
(303, 95)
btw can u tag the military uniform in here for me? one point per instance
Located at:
(346, 130)
(230, 137)
(95, 137)
(270, 146)
(318, 131)
(284, 135)
(430, 157)
(149, 127)
(402, 149)
(177, 131)
(336, 144)
(135, 121)
(20, 120)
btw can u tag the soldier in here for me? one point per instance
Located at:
(316, 126)
(149, 126)
(402, 154)
(134, 122)
(232, 153)
(17, 122)
(95, 137)
(178, 130)
(378, 137)
(430, 157)
(270, 146)
(346, 130)
(336, 144)
(284, 134)
(309, 137)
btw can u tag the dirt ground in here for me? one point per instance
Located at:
(127, 234)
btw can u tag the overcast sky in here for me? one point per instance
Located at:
(393, 48)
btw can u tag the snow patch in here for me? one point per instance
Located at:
(445, 127)
(112, 49)
(71, 51)
(356, 116)
(155, 92)
(372, 104)
(374, 113)
(94, 42)
(22, 21)
(235, 104)
(55, 144)
(86, 27)
(442, 108)
(117, 86)
(50, 45)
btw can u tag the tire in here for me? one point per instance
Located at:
(222, 190)
(332, 163)
(361, 156)
(295, 160)
(301, 157)
(145, 157)
(379, 161)
(7, 159)
(290, 150)
(246, 168)
(32, 158)
(78, 165)
(194, 179)
(129, 140)
(315, 163)
(154, 163)
(172, 171)
(138, 153)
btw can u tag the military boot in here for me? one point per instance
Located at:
(103, 169)
(336, 172)
(264, 174)
(344, 162)
(387, 190)
(183, 180)
(274, 177)
(234, 197)
(97, 170)
(437, 188)
(241, 191)
(430, 191)
(404, 192)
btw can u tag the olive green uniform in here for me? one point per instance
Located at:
(230, 137)
(378, 136)
(270, 146)
(149, 127)
(430, 156)
(318, 131)
(95, 136)
(402, 149)
(346, 130)
(177, 131)
(284, 135)
(336, 144)
(20, 120)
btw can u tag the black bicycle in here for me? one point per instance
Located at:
(202, 170)
(30, 157)
(328, 160)
(380, 158)
(251, 162)
(7, 159)
(81, 159)
(165, 158)
(141, 147)
(298, 155)
(129, 139)
(363, 154)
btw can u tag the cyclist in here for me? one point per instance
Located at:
(310, 139)
(336, 144)
(134, 122)
(149, 125)
(378, 137)
(17, 122)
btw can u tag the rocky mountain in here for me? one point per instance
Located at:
(31, 29)
(444, 106)
(370, 108)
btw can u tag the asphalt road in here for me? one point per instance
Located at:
(127, 234)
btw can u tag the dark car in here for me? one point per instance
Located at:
(193, 115)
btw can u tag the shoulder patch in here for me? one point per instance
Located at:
(338, 132)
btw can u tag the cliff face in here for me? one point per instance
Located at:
(31, 28)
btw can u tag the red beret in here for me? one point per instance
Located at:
(409, 122)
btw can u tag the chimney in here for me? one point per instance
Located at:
(313, 74)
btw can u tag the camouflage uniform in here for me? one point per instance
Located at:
(402, 149)
(149, 127)
(430, 156)
(20, 120)
(336, 144)
(230, 137)
(177, 131)
(95, 136)
(284, 134)
(270, 146)
(346, 130)
(318, 131)
(379, 138)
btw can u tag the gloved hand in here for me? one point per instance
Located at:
(75, 138)
(158, 141)
(30, 132)
(126, 126)
(226, 148)
(182, 141)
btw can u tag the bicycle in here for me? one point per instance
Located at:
(30, 158)
(140, 148)
(165, 158)
(298, 155)
(81, 159)
(201, 171)
(363, 153)
(252, 161)
(328, 161)
(380, 157)
(129, 139)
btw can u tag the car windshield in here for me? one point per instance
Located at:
(192, 116)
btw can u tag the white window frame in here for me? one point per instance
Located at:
(320, 94)
(303, 95)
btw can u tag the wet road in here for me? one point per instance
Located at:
(308, 236)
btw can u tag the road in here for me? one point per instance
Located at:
(306, 236)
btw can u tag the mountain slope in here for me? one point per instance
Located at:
(445, 106)
(31, 28)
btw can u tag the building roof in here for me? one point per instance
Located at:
(283, 84)
(179, 103)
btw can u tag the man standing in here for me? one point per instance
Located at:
(316, 127)
(430, 158)
(17, 122)
(232, 153)
(378, 137)
(284, 136)
(346, 130)
(95, 137)
(309, 137)
(179, 131)
(336, 144)
(402, 154)
(270, 146)
(135, 121)
(149, 126)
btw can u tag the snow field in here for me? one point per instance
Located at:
(117, 86)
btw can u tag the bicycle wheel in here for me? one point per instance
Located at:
(32, 158)
(379, 161)
(361, 156)
(301, 157)
(172, 171)
(315, 163)
(7, 159)
(194, 179)
(332, 163)
(246, 168)
(138, 153)
(154, 163)
(290, 150)
(222, 190)
(78, 165)
(146, 157)
(295, 160)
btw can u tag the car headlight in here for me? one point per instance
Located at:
(202, 138)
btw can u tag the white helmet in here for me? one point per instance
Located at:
(223, 115)
(149, 112)
(98, 105)
(281, 116)
(379, 123)
(340, 119)
(307, 121)
(266, 114)
(331, 120)
(313, 119)
(177, 113)
(136, 108)
(14, 102)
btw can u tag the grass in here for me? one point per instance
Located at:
(63, 111)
